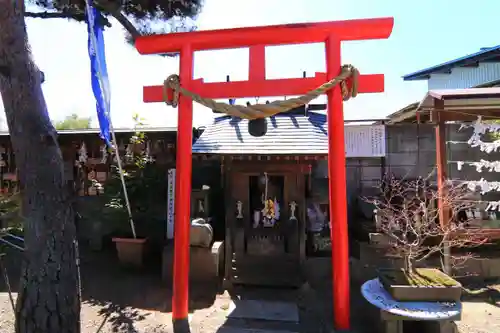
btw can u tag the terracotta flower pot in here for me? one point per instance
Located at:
(130, 250)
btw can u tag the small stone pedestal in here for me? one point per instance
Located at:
(396, 324)
(206, 258)
(205, 264)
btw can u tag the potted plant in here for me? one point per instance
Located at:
(127, 197)
(10, 211)
(407, 215)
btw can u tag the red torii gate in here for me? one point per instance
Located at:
(257, 38)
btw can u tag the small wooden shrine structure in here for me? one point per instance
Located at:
(267, 183)
(452, 105)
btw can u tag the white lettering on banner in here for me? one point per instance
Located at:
(170, 203)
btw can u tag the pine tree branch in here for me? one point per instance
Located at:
(115, 10)
(125, 22)
(106, 6)
(78, 16)
(46, 15)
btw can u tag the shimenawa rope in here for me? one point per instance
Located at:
(265, 110)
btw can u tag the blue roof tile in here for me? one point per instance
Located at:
(286, 134)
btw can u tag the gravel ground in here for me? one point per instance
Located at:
(117, 301)
(114, 319)
(479, 317)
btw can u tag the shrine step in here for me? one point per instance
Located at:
(264, 310)
(228, 329)
(261, 316)
(281, 271)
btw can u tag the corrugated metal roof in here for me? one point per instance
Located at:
(470, 99)
(286, 134)
(403, 114)
(465, 93)
(494, 83)
(483, 55)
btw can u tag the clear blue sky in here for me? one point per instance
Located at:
(426, 32)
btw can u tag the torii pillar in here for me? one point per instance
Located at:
(257, 38)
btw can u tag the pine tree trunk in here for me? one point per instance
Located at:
(48, 299)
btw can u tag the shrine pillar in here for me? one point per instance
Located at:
(337, 189)
(182, 223)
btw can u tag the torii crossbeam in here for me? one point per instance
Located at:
(256, 39)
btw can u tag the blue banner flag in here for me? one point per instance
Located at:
(98, 71)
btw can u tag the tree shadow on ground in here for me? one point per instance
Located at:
(314, 302)
(120, 318)
(125, 295)
(318, 305)
(477, 289)
(120, 297)
(11, 266)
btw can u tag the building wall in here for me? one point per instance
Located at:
(465, 77)
(411, 153)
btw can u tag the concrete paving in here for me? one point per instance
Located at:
(264, 310)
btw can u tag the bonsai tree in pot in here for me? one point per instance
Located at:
(407, 213)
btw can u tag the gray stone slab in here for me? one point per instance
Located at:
(264, 310)
(228, 329)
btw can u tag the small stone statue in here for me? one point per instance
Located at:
(293, 207)
(104, 154)
(201, 208)
(256, 219)
(201, 234)
(82, 154)
(239, 209)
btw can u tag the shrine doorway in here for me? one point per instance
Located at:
(266, 233)
(266, 198)
(265, 223)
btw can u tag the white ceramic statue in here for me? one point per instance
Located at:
(293, 207)
(239, 209)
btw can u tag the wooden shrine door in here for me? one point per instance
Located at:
(266, 249)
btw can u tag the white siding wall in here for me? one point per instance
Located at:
(465, 77)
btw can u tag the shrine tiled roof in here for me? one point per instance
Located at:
(286, 134)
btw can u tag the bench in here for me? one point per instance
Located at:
(432, 317)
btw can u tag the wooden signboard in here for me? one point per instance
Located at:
(365, 141)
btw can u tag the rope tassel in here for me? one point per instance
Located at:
(270, 109)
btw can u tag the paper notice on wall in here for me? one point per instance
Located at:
(170, 203)
(365, 140)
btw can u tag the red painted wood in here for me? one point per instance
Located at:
(280, 87)
(182, 220)
(337, 190)
(257, 66)
(298, 33)
(333, 33)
